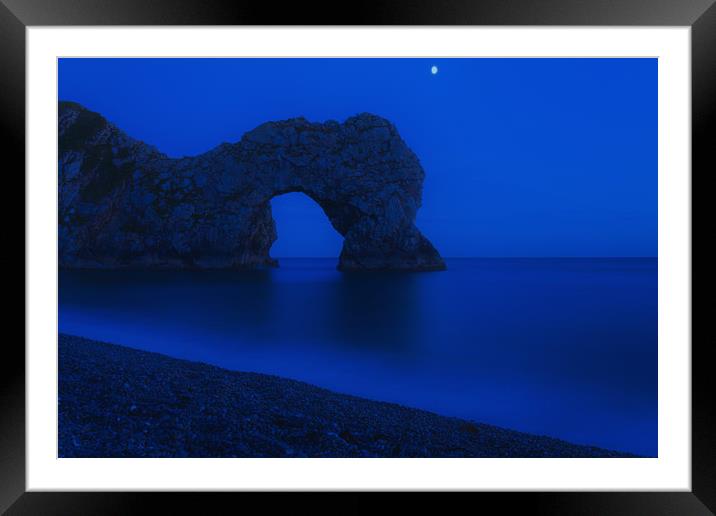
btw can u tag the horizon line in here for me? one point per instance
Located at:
(495, 257)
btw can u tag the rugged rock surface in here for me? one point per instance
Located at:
(120, 402)
(122, 203)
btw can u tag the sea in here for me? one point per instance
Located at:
(564, 347)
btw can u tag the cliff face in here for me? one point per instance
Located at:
(122, 203)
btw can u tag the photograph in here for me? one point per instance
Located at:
(413, 247)
(390, 257)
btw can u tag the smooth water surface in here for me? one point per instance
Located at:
(565, 347)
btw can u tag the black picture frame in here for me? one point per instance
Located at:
(17, 15)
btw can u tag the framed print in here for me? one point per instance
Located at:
(424, 247)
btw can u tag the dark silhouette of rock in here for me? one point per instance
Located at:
(123, 203)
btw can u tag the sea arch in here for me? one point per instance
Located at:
(124, 204)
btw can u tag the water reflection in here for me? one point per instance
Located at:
(378, 311)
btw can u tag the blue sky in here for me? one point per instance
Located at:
(523, 157)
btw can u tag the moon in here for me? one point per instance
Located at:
(434, 70)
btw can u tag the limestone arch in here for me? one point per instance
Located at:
(123, 204)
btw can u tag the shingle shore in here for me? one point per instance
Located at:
(116, 401)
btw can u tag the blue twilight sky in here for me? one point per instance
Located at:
(523, 157)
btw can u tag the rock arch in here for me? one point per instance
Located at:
(124, 204)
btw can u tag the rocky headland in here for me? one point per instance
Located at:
(124, 204)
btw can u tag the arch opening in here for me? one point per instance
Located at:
(303, 229)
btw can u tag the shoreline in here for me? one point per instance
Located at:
(116, 401)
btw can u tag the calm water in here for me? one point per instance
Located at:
(562, 347)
